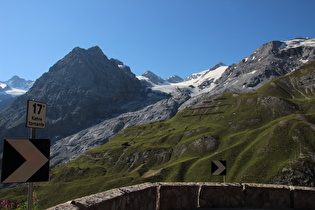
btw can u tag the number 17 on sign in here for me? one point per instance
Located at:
(36, 114)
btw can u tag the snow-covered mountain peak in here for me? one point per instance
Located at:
(19, 83)
(298, 42)
(196, 83)
(153, 78)
(14, 87)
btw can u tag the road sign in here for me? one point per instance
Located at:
(36, 114)
(218, 167)
(25, 160)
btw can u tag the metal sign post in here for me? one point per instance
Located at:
(36, 118)
(30, 184)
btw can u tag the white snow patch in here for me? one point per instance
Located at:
(298, 42)
(253, 72)
(283, 45)
(193, 81)
(143, 78)
(2, 85)
(146, 79)
(303, 61)
(149, 81)
(165, 88)
(16, 92)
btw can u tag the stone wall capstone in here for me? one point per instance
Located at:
(180, 195)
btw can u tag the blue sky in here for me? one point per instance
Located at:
(167, 37)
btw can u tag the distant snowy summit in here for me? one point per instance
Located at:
(15, 86)
(11, 89)
(174, 79)
(152, 79)
(196, 83)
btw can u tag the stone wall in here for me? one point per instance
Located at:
(163, 196)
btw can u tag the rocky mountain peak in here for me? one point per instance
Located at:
(174, 79)
(80, 57)
(19, 83)
(271, 60)
(96, 50)
(80, 88)
(153, 77)
(268, 48)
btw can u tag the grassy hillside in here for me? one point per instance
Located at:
(267, 136)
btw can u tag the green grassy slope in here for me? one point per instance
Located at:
(267, 136)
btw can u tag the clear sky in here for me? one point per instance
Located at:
(168, 37)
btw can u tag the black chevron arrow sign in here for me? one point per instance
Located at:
(25, 160)
(218, 167)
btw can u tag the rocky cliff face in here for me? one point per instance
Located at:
(164, 108)
(81, 89)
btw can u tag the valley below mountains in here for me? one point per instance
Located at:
(110, 128)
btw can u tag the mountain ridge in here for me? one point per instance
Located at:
(80, 74)
(266, 136)
(242, 127)
(271, 60)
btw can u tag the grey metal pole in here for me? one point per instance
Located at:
(30, 184)
(30, 196)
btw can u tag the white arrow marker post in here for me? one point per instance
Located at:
(218, 168)
(25, 160)
(34, 160)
